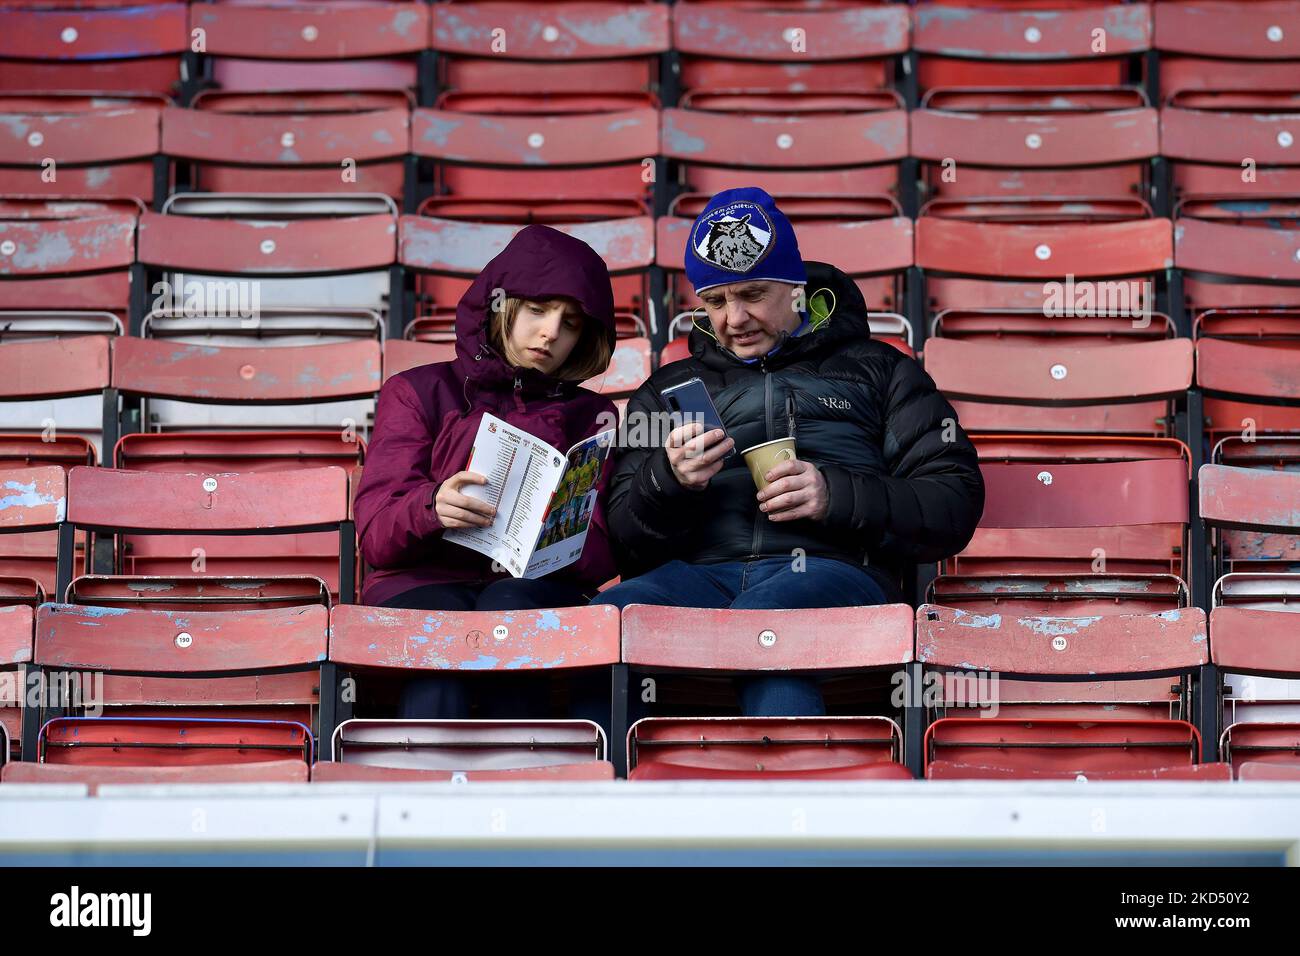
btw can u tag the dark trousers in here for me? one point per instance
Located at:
(500, 696)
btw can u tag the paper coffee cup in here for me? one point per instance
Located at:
(763, 458)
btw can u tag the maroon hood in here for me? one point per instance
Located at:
(428, 416)
(538, 263)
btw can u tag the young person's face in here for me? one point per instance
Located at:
(748, 317)
(544, 333)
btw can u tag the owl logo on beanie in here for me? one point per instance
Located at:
(735, 237)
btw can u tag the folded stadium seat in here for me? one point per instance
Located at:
(560, 159)
(1038, 43)
(330, 772)
(53, 371)
(27, 558)
(350, 46)
(94, 777)
(16, 633)
(1072, 142)
(292, 142)
(1247, 363)
(244, 452)
(789, 46)
(564, 47)
(725, 642)
(1030, 254)
(384, 642)
(35, 503)
(273, 541)
(1211, 134)
(111, 500)
(169, 676)
(1263, 772)
(444, 255)
(1252, 632)
(73, 145)
(1053, 367)
(74, 255)
(1221, 243)
(1218, 45)
(86, 48)
(874, 250)
(331, 251)
(292, 695)
(957, 643)
(828, 144)
(1051, 501)
(1081, 528)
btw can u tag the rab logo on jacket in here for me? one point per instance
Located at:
(736, 237)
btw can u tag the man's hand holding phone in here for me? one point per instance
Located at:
(695, 455)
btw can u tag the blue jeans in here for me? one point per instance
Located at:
(763, 584)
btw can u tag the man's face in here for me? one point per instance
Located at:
(748, 317)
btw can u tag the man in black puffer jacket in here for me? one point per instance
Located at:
(884, 476)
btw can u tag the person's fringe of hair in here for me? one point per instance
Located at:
(589, 358)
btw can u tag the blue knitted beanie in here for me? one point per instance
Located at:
(739, 236)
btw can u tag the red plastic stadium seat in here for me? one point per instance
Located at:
(472, 745)
(770, 748)
(185, 662)
(952, 770)
(66, 256)
(1008, 45)
(1103, 381)
(291, 144)
(1245, 239)
(725, 46)
(1247, 363)
(1065, 655)
(591, 770)
(1062, 748)
(261, 507)
(17, 624)
(406, 642)
(1262, 743)
(1053, 142)
(1211, 44)
(1051, 503)
(120, 49)
(313, 45)
(100, 146)
(148, 742)
(567, 47)
(725, 642)
(95, 776)
(846, 152)
(989, 254)
(540, 152)
(1264, 772)
(1208, 133)
(36, 501)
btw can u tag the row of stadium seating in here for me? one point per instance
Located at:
(1085, 142)
(498, 47)
(1100, 544)
(1081, 217)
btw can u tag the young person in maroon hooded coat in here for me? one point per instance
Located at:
(537, 321)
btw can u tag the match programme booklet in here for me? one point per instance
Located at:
(544, 497)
